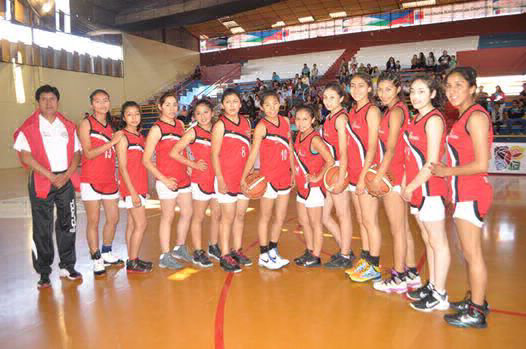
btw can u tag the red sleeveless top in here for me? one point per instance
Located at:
(136, 170)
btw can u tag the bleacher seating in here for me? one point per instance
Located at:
(378, 55)
(287, 66)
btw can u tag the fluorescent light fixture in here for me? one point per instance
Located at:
(230, 24)
(278, 24)
(338, 14)
(418, 3)
(237, 30)
(306, 19)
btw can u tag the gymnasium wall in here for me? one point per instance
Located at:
(148, 66)
(492, 25)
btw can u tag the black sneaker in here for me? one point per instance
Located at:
(44, 281)
(312, 261)
(420, 293)
(214, 252)
(201, 259)
(301, 259)
(241, 258)
(135, 266)
(70, 273)
(464, 304)
(339, 262)
(145, 263)
(432, 301)
(229, 264)
(473, 316)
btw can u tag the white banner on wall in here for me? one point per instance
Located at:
(508, 158)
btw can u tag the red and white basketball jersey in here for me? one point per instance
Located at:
(330, 134)
(415, 138)
(306, 163)
(461, 152)
(168, 166)
(274, 154)
(100, 171)
(201, 150)
(396, 167)
(136, 170)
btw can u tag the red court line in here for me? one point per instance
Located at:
(220, 312)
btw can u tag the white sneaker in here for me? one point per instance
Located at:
(390, 285)
(273, 254)
(98, 266)
(266, 261)
(109, 259)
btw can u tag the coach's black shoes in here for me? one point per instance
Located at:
(464, 304)
(472, 316)
(44, 281)
(70, 273)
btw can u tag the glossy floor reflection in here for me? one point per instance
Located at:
(291, 308)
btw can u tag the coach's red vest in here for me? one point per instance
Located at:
(31, 130)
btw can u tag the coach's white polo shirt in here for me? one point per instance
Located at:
(55, 139)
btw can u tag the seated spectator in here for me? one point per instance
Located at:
(305, 80)
(444, 61)
(482, 98)
(430, 61)
(275, 77)
(453, 62)
(354, 69)
(369, 69)
(391, 64)
(497, 103)
(414, 62)
(296, 80)
(362, 68)
(515, 115)
(305, 70)
(398, 67)
(314, 73)
(421, 61)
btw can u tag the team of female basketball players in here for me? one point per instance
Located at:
(206, 167)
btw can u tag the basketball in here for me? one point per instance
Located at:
(331, 177)
(387, 180)
(256, 185)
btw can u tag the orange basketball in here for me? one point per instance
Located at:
(387, 180)
(331, 177)
(256, 185)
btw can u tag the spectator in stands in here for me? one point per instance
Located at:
(305, 70)
(354, 69)
(497, 103)
(369, 69)
(398, 67)
(352, 61)
(183, 114)
(515, 115)
(444, 61)
(362, 68)
(453, 62)
(237, 88)
(343, 73)
(421, 61)
(391, 64)
(296, 80)
(314, 73)
(275, 77)
(523, 92)
(431, 61)
(197, 73)
(482, 98)
(414, 62)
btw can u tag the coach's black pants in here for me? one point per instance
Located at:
(65, 226)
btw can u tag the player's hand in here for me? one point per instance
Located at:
(243, 184)
(375, 186)
(200, 165)
(407, 194)
(221, 185)
(171, 183)
(116, 137)
(438, 169)
(136, 200)
(339, 187)
(360, 187)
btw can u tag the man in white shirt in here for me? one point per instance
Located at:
(48, 145)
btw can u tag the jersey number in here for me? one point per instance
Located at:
(284, 154)
(107, 154)
(243, 152)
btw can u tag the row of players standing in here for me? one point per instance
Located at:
(410, 150)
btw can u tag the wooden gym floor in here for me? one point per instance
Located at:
(290, 308)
